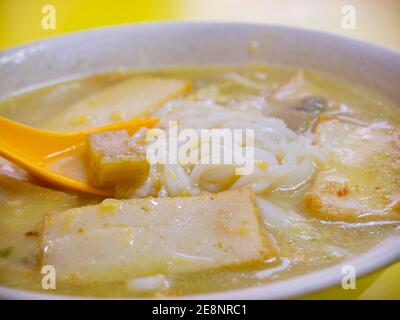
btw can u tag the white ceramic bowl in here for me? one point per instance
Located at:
(160, 45)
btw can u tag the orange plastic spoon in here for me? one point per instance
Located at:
(35, 149)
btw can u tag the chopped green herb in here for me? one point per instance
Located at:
(4, 253)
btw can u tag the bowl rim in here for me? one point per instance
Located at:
(229, 23)
(385, 253)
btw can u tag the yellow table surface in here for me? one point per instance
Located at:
(376, 21)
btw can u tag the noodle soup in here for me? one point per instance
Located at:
(325, 185)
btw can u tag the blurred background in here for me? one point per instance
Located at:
(376, 21)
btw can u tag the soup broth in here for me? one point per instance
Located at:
(304, 241)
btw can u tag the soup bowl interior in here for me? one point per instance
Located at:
(167, 45)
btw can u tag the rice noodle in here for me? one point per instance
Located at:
(289, 158)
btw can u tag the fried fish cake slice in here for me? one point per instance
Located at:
(362, 182)
(120, 239)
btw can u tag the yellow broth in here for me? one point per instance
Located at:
(304, 247)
